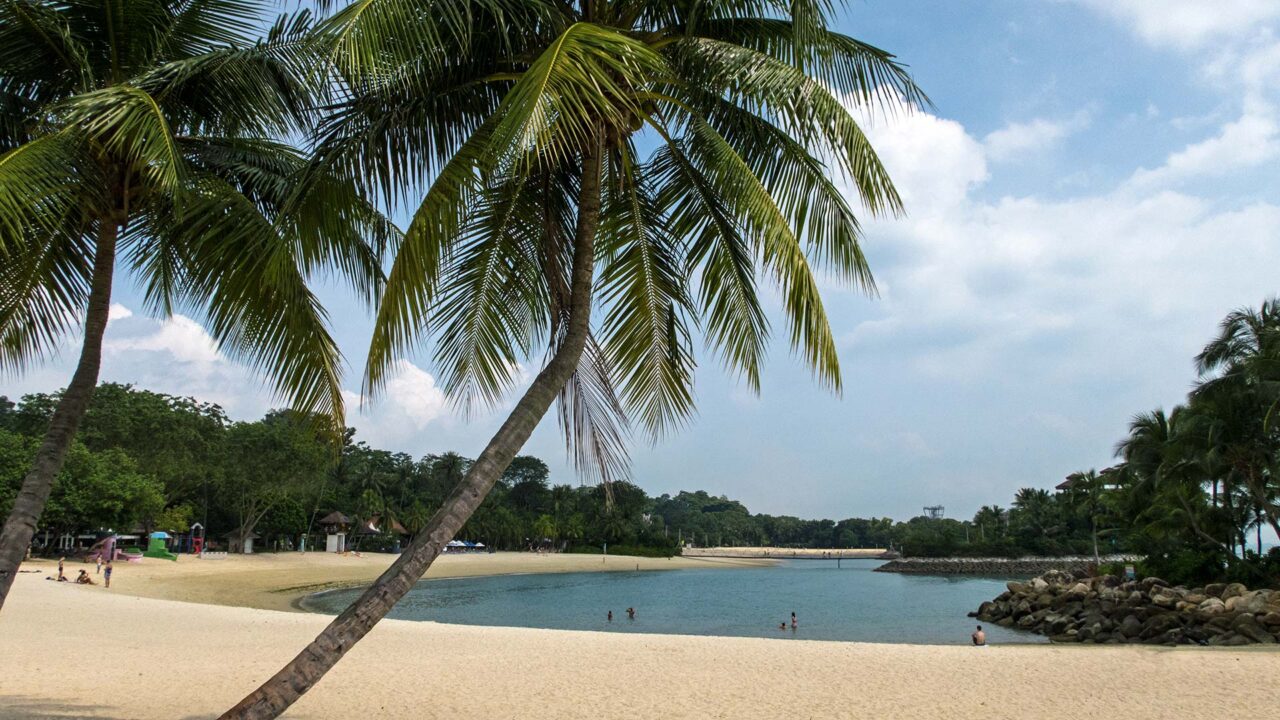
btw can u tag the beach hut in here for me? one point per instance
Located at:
(336, 525)
(242, 541)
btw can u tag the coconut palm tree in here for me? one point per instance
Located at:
(1087, 496)
(1240, 389)
(529, 118)
(146, 138)
(991, 517)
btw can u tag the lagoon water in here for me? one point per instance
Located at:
(851, 603)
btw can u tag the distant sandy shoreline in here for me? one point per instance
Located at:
(143, 650)
(280, 581)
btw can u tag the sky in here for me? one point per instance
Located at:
(1092, 190)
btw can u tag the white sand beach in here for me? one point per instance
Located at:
(139, 651)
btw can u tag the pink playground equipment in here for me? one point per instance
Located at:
(105, 549)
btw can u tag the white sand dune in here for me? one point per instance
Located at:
(71, 651)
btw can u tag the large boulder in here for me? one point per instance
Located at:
(1056, 577)
(1249, 627)
(1079, 591)
(1150, 583)
(1213, 606)
(1017, 588)
(1215, 589)
(1158, 625)
(1251, 602)
(1131, 626)
(1038, 585)
(1233, 590)
(1271, 619)
(1229, 640)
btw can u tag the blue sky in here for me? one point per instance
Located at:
(1093, 191)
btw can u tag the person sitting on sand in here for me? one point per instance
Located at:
(979, 637)
(84, 579)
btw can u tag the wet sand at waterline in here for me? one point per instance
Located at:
(77, 651)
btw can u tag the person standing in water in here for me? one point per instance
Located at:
(610, 616)
(979, 637)
(631, 613)
(793, 620)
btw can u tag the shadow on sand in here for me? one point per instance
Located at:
(21, 707)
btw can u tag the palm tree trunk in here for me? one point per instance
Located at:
(36, 486)
(305, 670)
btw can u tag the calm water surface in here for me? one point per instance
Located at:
(851, 603)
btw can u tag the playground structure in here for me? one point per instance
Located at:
(156, 547)
(106, 551)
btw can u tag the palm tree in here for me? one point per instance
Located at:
(993, 517)
(148, 138)
(1088, 496)
(529, 118)
(1240, 372)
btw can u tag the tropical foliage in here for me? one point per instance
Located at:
(152, 138)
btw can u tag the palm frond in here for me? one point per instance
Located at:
(643, 291)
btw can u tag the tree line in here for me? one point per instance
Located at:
(148, 460)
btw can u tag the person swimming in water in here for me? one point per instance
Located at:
(631, 613)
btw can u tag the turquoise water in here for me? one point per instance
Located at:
(851, 603)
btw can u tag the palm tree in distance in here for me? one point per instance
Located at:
(148, 138)
(529, 117)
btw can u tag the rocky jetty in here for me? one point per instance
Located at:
(1071, 607)
(1003, 567)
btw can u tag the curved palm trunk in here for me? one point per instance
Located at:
(27, 507)
(305, 670)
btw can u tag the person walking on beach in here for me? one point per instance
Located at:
(979, 637)
(98, 570)
(106, 576)
(61, 577)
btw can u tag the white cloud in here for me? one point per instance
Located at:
(1188, 24)
(179, 336)
(1078, 286)
(118, 312)
(409, 404)
(1248, 142)
(413, 392)
(934, 162)
(1017, 140)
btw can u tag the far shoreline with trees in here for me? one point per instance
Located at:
(1191, 493)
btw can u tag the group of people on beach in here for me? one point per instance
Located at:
(104, 569)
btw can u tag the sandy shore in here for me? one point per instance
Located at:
(275, 581)
(70, 651)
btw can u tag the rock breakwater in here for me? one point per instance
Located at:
(1074, 608)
